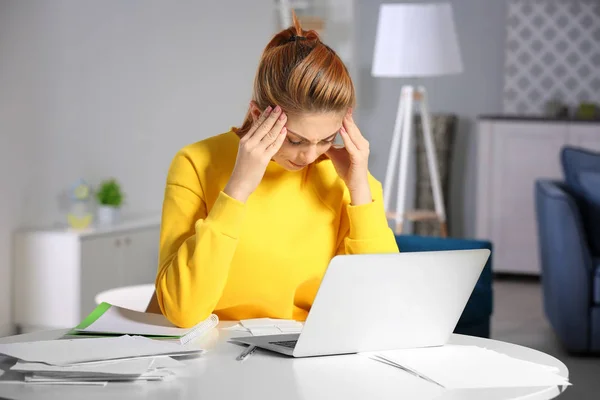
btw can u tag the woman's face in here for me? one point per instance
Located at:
(308, 137)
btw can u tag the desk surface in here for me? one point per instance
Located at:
(265, 375)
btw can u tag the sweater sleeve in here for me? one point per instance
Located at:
(364, 228)
(196, 246)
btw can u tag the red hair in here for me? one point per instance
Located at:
(300, 74)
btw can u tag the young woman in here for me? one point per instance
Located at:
(252, 217)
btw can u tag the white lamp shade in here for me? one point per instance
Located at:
(416, 40)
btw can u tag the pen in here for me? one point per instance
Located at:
(246, 353)
(409, 370)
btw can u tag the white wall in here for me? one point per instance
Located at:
(480, 28)
(96, 89)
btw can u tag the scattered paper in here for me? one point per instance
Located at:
(74, 351)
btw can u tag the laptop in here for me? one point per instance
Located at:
(377, 302)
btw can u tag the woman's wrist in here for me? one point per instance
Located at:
(361, 194)
(236, 192)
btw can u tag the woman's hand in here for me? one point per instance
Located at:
(352, 161)
(255, 151)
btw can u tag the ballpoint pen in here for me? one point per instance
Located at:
(246, 353)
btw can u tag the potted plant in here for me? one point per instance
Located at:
(110, 199)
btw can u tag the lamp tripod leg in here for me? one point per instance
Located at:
(407, 94)
(432, 164)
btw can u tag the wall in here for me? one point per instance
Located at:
(552, 53)
(96, 89)
(16, 138)
(480, 28)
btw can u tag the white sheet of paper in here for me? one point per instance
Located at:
(148, 376)
(236, 327)
(72, 351)
(287, 323)
(269, 326)
(465, 367)
(355, 377)
(31, 381)
(135, 366)
(166, 363)
(291, 329)
(269, 322)
(265, 331)
(257, 322)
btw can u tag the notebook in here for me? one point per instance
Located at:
(110, 320)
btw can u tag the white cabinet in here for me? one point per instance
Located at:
(511, 155)
(59, 272)
(587, 136)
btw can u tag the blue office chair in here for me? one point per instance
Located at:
(476, 317)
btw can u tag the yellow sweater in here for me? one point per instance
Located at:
(262, 258)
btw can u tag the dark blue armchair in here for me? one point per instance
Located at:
(568, 220)
(475, 319)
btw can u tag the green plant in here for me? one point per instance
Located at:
(109, 193)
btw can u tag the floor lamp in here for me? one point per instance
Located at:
(414, 41)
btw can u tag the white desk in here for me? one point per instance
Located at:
(265, 375)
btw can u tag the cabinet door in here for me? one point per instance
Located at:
(585, 135)
(522, 153)
(100, 268)
(140, 256)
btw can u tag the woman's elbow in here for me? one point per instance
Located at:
(184, 315)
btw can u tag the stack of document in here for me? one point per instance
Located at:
(470, 367)
(97, 361)
(267, 326)
(99, 373)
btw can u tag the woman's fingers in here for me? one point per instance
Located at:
(275, 131)
(353, 132)
(258, 122)
(276, 144)
(348, 142)
(265, 127)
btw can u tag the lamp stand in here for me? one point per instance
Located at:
(401, 142)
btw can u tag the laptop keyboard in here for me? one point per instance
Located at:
(287, 343)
